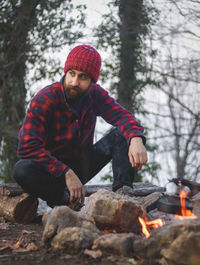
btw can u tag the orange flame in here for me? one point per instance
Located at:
(151, 224)
(185, 213)
(144, 227)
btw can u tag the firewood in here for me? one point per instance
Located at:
(17, 206)
(139, 189)
(21, 208)
(10, 189)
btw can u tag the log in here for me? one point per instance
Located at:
(17, 206)
(11, 189)
(20, 208)
(139, 188)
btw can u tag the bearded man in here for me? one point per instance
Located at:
(56, 149)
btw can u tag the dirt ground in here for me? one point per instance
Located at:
(21, 244)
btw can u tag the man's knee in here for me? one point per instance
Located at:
(21, 170)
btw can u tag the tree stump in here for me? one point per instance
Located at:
(16, 206)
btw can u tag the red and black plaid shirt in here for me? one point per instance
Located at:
(52, 133)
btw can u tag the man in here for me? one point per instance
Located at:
(56, 139)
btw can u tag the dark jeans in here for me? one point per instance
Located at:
(39, 183)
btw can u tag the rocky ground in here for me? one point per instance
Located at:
(21, 245)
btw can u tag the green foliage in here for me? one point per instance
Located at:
(123, 33)
(132, 261)
(28, 29)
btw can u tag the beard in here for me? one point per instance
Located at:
(74, 93)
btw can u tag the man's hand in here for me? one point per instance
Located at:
(75, 187)
(137, 153)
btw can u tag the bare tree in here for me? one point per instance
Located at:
(175, 105)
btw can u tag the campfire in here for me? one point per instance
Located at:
(186, 213)
(152, 226)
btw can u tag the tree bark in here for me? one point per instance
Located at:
(130, 13)
(21, 208)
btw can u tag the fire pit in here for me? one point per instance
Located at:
(131, 226)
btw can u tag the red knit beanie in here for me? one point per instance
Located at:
(84, 58)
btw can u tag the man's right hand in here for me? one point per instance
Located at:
(75, 187)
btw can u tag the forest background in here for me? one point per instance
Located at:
(150, 51)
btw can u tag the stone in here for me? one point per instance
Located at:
(72, 240)
(174, 244)
(185, 249)
(115, 211)
(117, 244)
(61, 217)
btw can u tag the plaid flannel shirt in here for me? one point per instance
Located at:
(52, 133)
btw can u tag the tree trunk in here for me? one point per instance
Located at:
(14, 49)
(130, 14)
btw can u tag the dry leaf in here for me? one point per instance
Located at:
(93, 253)
(16, 245)
(20, 250)
(27, 232)
(30, 247)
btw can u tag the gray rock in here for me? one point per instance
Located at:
(185, 249)
(72, 240)
(176, 243)
(116, 244)
(61, 217)
(114, 211)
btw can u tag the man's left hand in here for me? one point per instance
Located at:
(137, 153)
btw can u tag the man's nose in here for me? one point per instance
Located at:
(75, 81)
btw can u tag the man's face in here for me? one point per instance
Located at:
(76, 84)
